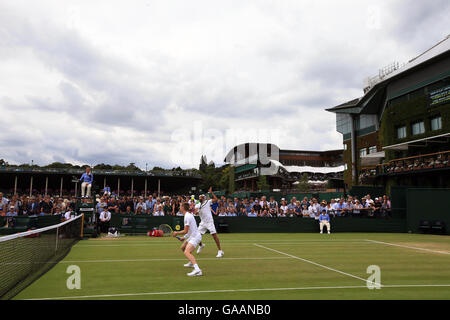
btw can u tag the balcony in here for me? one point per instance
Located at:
(426, 162)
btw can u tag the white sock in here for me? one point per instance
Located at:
(196, 267)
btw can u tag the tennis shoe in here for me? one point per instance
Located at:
(220, 254)
(195, 273)
(189, 265)
(199, 249)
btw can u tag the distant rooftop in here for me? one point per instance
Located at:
(439, 48)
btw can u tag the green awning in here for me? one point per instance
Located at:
(245, 167)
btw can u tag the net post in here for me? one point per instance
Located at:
(82, 225)
(56, 244)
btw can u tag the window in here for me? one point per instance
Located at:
(345, 146)
(343, 123)
(372, 149)
(401, 132)
(362, 152)
(436, 123)
(418, 128)
(366, 121)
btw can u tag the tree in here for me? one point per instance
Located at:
(102, 166)
(303, 185)
(262, 184)
(132, 167)
(59, 165)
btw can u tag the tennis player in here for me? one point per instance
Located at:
(207, 221)
(191, 239)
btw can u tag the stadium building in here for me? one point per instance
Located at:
(398, 132)
(65, 181)
(284, 168)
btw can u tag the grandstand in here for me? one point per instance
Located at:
(15, 180)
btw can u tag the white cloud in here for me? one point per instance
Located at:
(105, 81)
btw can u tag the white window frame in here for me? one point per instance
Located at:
(403, 131)
(421, 126)
(439, 122)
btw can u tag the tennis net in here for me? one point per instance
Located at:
(25, 256)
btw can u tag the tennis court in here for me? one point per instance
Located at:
(255, 266)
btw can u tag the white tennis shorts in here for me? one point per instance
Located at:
(195, 240)
(207, 226)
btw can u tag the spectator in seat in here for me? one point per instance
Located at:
(377, 207)
(357, 208)
(12, 212)
(252, 213)
(159, 212)
(113, 206)
(3, 204)
(232, 213)
(141, 204)
(315, 208)
(46, 206)
(57, 211)
(298, 210)
(69, 215)
(128, 210)
(283, 208)
(223, 212)
(139, 211)
(105, 218)
(305, 210)
(149, 203)
(107, 191)
(272, 203)
(257, 207)
(386, 207)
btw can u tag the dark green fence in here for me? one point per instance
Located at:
(23, 223)
(427, 204)
(141, 224)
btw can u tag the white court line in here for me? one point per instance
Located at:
(319, 265)
(409, 247)
(242, 244)
(236, 290)
(234, 240)
(173, 259)
(141, 260)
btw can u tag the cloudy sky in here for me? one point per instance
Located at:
(162, 82)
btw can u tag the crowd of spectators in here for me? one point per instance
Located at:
(418, 163)
(229, 207)
(223, 207)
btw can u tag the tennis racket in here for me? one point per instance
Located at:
(166, 229)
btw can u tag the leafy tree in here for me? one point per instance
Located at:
(262, 183)
(102, 166)
(132, 167)
(303, 185)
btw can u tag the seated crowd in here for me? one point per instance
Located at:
(229, 207)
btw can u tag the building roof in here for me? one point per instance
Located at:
(345, 105)
(308, 169)
(440, 48)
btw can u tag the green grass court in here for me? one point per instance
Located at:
(255, 266)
